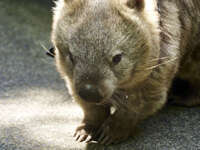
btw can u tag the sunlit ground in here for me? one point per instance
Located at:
(43, 119)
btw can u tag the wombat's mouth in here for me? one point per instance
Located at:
(92, 97)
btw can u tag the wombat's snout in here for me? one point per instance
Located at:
(90, 93)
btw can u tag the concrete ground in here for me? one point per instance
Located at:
(36, 112)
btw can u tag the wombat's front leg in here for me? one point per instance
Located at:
(118, 127)
(94, 116)
(134, 107)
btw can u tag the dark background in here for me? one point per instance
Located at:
(36, 111)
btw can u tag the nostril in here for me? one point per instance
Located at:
(90, 93)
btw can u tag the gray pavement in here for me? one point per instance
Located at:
(36, 112)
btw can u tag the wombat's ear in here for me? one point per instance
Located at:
(68, 1)
(73, 4)
(136, 4)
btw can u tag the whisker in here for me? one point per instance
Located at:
(166, 62)
(162, 58)
(44, 47)
(114, 103)
(120, 101)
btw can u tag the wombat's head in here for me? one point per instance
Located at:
(104, 45)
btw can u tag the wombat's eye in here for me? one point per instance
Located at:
(117, 58)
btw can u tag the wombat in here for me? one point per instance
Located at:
(120, 57)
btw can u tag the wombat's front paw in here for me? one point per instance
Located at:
(112, 132)
(85, 133)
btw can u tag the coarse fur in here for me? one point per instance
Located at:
(127, 53)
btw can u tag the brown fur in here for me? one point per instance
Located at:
(155, 46)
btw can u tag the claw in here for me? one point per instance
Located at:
(82, 138)
(105, 140)
(110, 142)
(97, 134)
(77, 137)
(75, 134)
(88, 139)
(101, 137)
(84, 133)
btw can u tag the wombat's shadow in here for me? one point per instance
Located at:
(171, 128)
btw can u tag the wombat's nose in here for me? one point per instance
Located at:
(90, 93)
